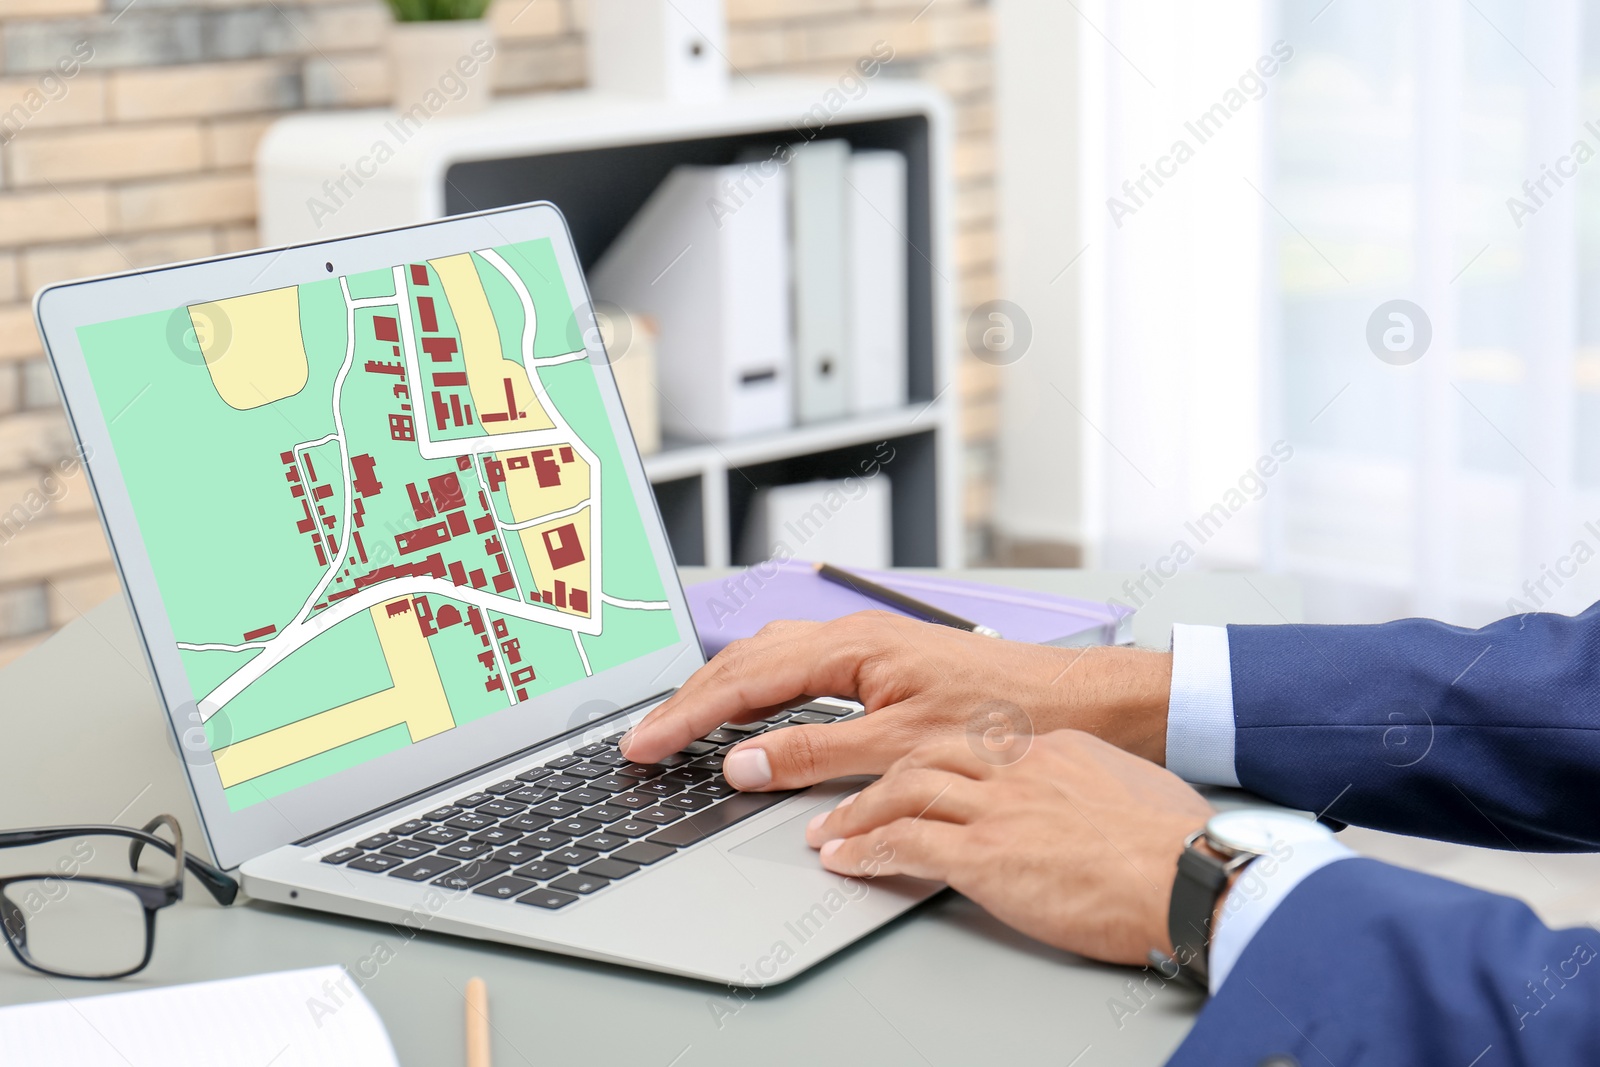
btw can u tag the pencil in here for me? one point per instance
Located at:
(477, 1023)
(911, 605)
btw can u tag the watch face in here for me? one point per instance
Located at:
(1257, 829)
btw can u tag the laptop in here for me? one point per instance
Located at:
(402, 584)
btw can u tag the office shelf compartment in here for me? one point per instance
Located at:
(598, 158)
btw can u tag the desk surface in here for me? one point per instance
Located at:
(944, 984)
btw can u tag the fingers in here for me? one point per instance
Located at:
(921, 848)
(782, 665)
(915, 794)
(798, 756)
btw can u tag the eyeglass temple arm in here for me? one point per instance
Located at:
(221, 886)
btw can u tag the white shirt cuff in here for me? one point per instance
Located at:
(1263, 884)
(1200, 728)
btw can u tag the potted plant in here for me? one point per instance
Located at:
(440, 53)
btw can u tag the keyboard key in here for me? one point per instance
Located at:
(527, 824)
(659, 816)
(463, 850)
(643, 852)
(610, 870)
(639, 771)
(563, 762)
(605, 813)
(344, 855)
(407, 828)
(441, 814)
(545, 840)
(559, 782)
(824, 709)
(591, 750)
(500, 789)
(529, 794)
(632, 828)
(376, 862)
(557, 809)
(686, 776)
(378, 840)
(614, 738)
(470, 820)
(779, 717)
(534, 774)
(496, 835)
(699, 748)
(659, 788)
(632, 801)
(708, 763)
(572, 856)
(575, 827)
(718, 817)
(517, 854)
(613, 783)
(423, 869)
(540, 871)
(717, 787)
(504, 888)
(471, 875)
(440, 835)
(723, 737)
(588, 771)
(689, 802)
(609, 759)
(743, 729)
(579, 883)
(406, 850)
(677, 759)
(585, 796)
(472, 800)
(501, 809)
(601, 842)
(807, 718)
(547, 898)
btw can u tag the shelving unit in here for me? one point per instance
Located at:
(598, 158)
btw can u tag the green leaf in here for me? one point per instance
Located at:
(437, 10)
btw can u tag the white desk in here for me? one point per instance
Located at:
(85, 742)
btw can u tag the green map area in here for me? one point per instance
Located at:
(378, 507)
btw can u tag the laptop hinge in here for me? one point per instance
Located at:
(395, 805)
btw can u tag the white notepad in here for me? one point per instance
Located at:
(310, 1018)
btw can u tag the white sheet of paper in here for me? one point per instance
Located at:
(311, 1018)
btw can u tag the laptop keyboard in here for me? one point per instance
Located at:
(553, 834)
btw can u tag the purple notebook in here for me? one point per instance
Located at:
(727, 609)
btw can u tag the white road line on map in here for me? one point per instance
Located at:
(246, 647)
(551, 517)
(642, 605)
(588, 671)
(565, 357)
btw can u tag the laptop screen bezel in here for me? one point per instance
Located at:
(236, 836)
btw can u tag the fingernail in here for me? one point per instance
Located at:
(846, 802)
(747, 768)
(815, 824)
(830, 848)
(624, 741)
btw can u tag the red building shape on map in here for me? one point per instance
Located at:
(563, 547)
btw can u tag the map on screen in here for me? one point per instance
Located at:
(378, 506)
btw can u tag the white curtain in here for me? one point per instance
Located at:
(1407, 170)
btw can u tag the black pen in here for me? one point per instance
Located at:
(884, 595)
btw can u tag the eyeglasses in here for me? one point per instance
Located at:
(71, 923)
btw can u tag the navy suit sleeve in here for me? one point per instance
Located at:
(1365, 964)
(1488, 737)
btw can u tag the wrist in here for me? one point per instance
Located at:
(1120, 695)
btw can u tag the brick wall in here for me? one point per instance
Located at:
(144, 155)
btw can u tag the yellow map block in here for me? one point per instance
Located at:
(528, 499)
(538, 551)
(487, 368)
(416, 698)
(253, 346)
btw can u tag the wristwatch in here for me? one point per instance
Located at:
(1210, 857)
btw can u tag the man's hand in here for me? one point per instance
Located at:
(1076, 843)
(917, 681)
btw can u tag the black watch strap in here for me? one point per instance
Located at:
(1201, 881)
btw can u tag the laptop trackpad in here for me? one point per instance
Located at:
(786, 842)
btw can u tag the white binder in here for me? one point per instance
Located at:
(876, 311)
(706, 257)
(817, 229)
(847, 522)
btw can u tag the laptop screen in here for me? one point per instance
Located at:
(378, 507)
